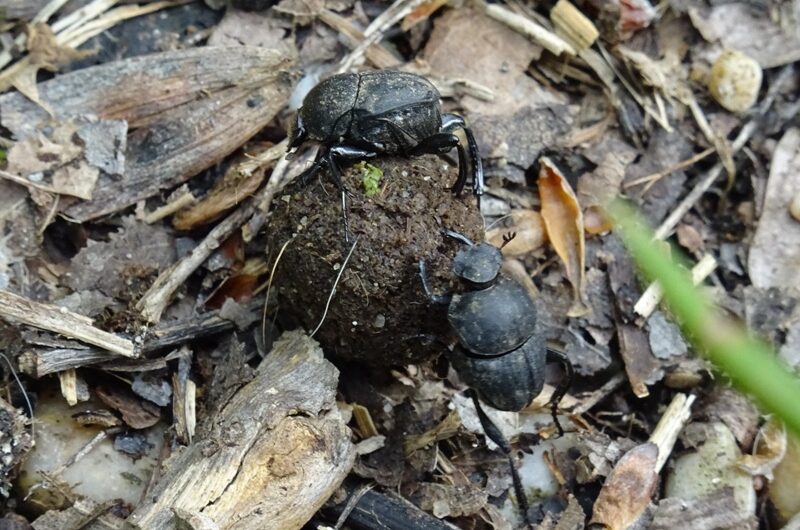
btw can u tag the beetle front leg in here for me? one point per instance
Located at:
(451, 122)
(344, 151)
(562, 387)
(438, 299)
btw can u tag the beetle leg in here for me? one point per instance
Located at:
(453, 121)
(459, 236)
(438, 299)
(563, 386)
(337, 179)
(495, 435)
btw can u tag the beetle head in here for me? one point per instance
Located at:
(478, 264)
(297, 132)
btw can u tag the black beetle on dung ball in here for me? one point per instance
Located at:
(360, 115)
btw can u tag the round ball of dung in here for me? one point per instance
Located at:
(398, 210)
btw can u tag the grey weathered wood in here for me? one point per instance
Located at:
(270, 459)
(187, 109)
(59, 320)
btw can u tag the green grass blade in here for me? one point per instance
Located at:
(750, 364)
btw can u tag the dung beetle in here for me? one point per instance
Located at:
(360, 115)
(499, 354)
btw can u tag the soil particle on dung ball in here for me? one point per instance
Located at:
(379, 313)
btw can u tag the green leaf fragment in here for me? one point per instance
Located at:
(372, 176)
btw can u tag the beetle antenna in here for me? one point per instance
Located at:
(508, 238)
(459, 236)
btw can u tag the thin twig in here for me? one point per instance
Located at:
(688, 202)
(269, 288)
(335, 283)
(655, 177)
(22, 389)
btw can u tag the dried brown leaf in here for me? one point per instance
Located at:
(628, 489)
(529, 229)
(564, 223)
(136, 412)
(768, 450)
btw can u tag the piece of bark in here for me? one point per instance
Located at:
(270, 458)
(376, 509)
(38, 362)
(85, 514)
(188, 109)
(715, 510)
(60, 320)
(640, 365)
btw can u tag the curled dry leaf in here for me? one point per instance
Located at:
(628, 489)
(769, 449)
(529, 229)
(564, 223)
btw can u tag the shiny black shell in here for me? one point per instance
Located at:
(385, 111)
(494, 320)
(506, 382)
(478, 263)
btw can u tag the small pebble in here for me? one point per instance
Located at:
(735, 81)
(794, 207)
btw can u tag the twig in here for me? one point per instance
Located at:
(651, 297)
(655, 177)
(595, 397)
(21, 389)
(62, 321)
(376, 29)
(335, 283)
(375, 54)
(688, 202)
(156, 299)
(669, 426)
(184, 199)
(25, 182)
(536, 32)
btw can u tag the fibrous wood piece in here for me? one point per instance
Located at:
(60, 320)
(188, 110)
(270, 458)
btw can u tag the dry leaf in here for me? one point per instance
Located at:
(770, 264)
(422, 13)
(768, 450)
(529, 229)
(564, 223)
(628, 489)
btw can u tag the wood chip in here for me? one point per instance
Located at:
(259, 461)
(60, 320)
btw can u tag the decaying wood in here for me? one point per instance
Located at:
(375, 509)
(271, 458)
(60, 320)
(38, 361)
(187, 109)
(84, 514)
(670, 425)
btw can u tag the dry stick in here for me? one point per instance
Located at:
(184, 199)
(669, 426)
(536, 32)
(60, 320)
(156, 299)
(269, 288)
(21, 389)
(374, 32)
(651, 297)
(655, 177)
(669, 224)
